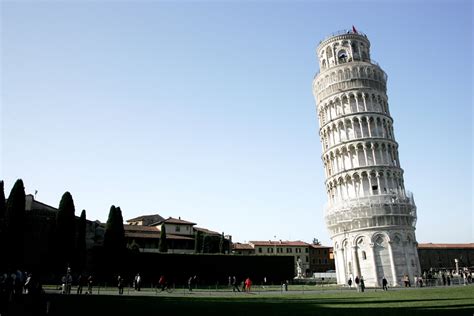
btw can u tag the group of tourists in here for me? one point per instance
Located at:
(359, 283)
(19, 287)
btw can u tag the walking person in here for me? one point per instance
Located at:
(362, 284)
(357, 282)
(80, 283)
(235, 285)
(120, 284)
(90, 284)
(350, 283)
(384, 284)
(138, 282)
(190, 283)
(248, 285)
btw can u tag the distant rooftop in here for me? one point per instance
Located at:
(171, 220)
(147, 219)
(446, 246)
(278, 243)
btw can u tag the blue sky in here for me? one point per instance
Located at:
(204, 110)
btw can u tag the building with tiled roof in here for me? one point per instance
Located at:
(180, 235)
(444, 256)
(311, 258)
(145, 220)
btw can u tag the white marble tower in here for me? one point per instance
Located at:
(370, 216)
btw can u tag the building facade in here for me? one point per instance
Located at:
(370, 216)
(143, 234)
(446, 256)
(307, 258)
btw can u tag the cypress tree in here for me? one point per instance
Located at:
(163, 246)
(120, 230)
(65, 231)
(14, 223)
(2, 205)
(198, 242)
(206, 244)
(81, 242)
(2, 215)
(114, 238)
(221, 244)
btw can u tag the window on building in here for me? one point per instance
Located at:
(259, 250)
(177, 228)
(306, 250)
(307, 258)
(325, 252)
(364, 255)
(319, 260)
(325, 261)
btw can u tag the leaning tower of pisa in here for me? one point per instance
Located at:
(370, 216)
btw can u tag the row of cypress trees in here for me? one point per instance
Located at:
(67, 242)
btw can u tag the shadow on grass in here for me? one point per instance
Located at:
(115, 305)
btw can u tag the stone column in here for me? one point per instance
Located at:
(357, 156)
(356, 261)
(365, 155)
(361, 128)
(368, 126)
(369, 177)
(379, 189)
(374, 264)
(372, 147)
(418, 267)
(392, 264)
(339, 281)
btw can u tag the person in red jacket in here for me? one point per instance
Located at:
(248, 285)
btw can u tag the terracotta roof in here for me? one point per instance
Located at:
(206, 231)
(279, 243)
(139, 234)
(445, 246)
(319, 246)
(140, 228)
(153, 218)
(239, 246)
(171, 220)
(170, 236)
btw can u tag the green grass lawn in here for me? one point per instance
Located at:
(427, 301)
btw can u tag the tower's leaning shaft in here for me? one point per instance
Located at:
(370, 216)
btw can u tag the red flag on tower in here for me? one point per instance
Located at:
(354, 29)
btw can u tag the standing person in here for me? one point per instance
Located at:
(384, 284)
(190, 283)
(264, 281)
(90, 284)
(120, 284)
(138, 282)
(350, 283)
(444, 279)
(162, 283)
(357, 282)
(448, 280)
(405, 280)
(362, 284)
(248, 285)
(235, 285)
(79, 284)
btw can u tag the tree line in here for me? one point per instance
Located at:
(67, 235)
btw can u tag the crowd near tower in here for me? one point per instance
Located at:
(370, 216)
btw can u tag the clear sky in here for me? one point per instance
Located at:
(204, 109)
